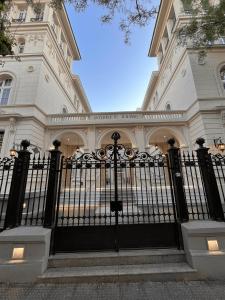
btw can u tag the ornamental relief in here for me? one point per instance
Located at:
(35, 38)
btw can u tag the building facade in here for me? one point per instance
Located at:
(41, 100)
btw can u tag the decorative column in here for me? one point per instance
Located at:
(51, 198)
(209, 181)
(18, 187)
(140, 138)
(175, 168)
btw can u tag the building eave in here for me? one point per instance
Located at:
(150, 89)
(158, 27)
(80, 90)
(70, 35)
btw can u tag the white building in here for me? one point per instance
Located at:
(42, 100)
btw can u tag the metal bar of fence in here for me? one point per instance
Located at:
(6, 169)
(218, 162)
(36, 191)
(194, 188)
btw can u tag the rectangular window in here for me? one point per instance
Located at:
(5, 96)
(22, 15)
(187, 6)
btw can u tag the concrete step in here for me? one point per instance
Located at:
(128, 257)
(120, 273)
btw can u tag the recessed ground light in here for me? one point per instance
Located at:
(18, 253)
(212, 244)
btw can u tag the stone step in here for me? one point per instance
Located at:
(120, 273)
(124, 257)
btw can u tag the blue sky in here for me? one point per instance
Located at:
(114, 75)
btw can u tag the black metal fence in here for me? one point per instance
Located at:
(87, 189)
(218, 162)
(80, 191)
(6, 169)
(194, 187)
(36, 190)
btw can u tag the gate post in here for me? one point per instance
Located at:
(18, 187)
(52, 188)
(177, 180)
(209, 181)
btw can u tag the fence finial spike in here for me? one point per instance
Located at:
(56, 144)
(200, 141)
(25, 144)
(171, 142)
(115, 136)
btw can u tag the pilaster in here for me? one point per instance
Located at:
(140, 138)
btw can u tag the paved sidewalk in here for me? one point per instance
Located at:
(198, 290)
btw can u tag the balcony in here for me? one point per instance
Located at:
(37, 19)
(136, 117)
(19, 20)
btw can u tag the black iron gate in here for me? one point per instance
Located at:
(113, 199)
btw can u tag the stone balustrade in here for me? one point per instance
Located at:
(115, 117)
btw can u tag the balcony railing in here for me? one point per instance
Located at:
(114, 117)
(19, 20)
(36, 19)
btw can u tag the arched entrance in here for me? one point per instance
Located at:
(125, 139)
(158, 140)
(106, 178)
(71, 143)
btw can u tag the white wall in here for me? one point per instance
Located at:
(180, 90)
(206, 76)
(51, 96)
(25, 83)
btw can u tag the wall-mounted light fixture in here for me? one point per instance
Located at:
(12, 151)
(212, 244)
(219, 144)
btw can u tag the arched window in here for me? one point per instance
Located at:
(5, 88)
(168, 107)
(21, 45)
(222, 75)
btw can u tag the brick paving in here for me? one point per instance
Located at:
(198, 290)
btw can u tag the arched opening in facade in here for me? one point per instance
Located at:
(158, 140)
(106, 175)
(106, 139)
(71, 144)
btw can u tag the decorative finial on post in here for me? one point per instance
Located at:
(200, 141)
(25, 144)
(115, 136)
(171, 142)
(56, 144)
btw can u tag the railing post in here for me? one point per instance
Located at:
(18, 187)
(209, 181)
(177, 179)
(52, 188)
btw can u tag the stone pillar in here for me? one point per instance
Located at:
(91, 138)
(210, 263)
(30, 259)
(140, 138)
(10, 132)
